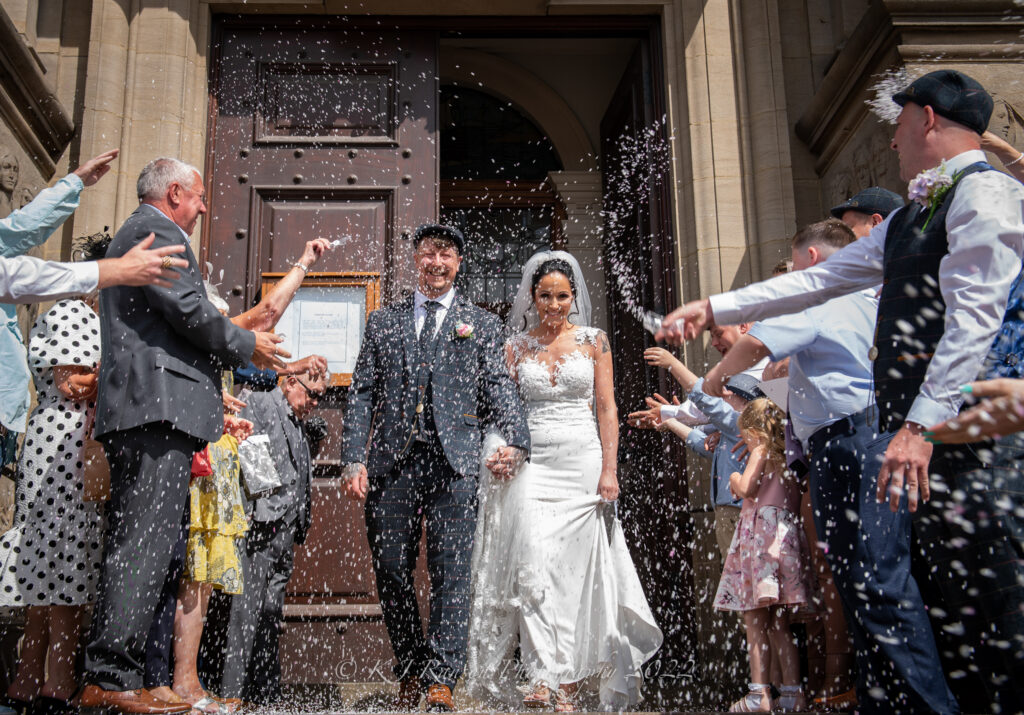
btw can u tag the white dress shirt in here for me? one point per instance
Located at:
(420, 313)
(985, 227)
(25, 279)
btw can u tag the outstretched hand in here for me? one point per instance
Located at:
(267, 356)
(1000, 412)
(96, 168)
(142, 266)
(686, 323)
(651, 417)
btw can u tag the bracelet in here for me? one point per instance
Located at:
(1017, 160)
(299, 265)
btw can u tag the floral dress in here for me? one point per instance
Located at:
(218, 522)
(768, 562)
(51, 555)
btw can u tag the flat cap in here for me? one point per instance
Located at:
(874, 200)
(438, 230)
(745, 386)
(950, 94)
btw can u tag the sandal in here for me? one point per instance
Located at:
(753, 701)
(539, 697)
(565, 702)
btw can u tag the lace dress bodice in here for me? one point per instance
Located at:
(567, 390)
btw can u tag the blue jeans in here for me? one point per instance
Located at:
(971, 534)
(868, 550)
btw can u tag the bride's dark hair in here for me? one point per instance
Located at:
(553, 265)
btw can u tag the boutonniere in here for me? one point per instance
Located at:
(464, 331)
(928, 189)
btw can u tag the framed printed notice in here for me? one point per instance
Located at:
(327, 317)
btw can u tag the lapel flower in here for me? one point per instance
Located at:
(463, 330)
(928, 189)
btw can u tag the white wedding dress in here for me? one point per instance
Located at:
(551, 570)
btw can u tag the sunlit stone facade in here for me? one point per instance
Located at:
(764, 106)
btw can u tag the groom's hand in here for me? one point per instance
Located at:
(505, 462)
(357, 484)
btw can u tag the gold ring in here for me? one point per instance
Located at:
(165, 263)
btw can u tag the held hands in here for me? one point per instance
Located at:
(686, 323)
(608, 486)
(905, 465)
(357, 482)
(93, 170)
(505, 462)
(1000, 412)
(267, 356)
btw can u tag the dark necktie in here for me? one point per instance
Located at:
(427, 331)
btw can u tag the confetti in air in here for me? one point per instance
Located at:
(889, 83)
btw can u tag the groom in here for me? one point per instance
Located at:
(431, 372)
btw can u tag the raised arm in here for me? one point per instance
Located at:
(265, 314)
(660, 357)
(747, 352)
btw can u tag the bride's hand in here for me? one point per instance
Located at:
(505, 462)
(608, 486)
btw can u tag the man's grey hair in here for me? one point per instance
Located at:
(158, 175)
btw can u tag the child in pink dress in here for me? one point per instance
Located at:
(766, 572)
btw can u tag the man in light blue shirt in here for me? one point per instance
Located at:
(21, 231)
(868, 545)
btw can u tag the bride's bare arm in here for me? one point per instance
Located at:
(607, 419)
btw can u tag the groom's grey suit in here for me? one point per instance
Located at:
(415, 420)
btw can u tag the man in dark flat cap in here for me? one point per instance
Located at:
(949, 261)
(431, 374)
(866, 209)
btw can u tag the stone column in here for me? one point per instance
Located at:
(580, 193)
(146, 94)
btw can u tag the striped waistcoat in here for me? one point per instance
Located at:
(911, 311)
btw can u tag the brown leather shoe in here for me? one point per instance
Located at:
(439, 699)
(127, 701)
(409, 694)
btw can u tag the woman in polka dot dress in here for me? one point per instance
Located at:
(50, 557)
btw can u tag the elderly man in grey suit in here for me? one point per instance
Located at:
(159, 401)
(280, 519)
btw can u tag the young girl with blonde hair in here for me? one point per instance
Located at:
(766, 572)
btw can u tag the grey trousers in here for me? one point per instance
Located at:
(252, 664)
(149, 473)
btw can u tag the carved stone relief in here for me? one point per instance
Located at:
(865, 161)
(1007, 121)
(14, 192)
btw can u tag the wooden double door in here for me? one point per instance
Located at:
(332, 131)
(323, 133)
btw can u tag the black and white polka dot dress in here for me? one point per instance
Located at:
(51, 555)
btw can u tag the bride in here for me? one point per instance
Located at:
(551, 571)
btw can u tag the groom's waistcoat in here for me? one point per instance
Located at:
(911, 310)
(469, 384)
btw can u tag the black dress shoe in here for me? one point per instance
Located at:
(21, 707)
(44, 705)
